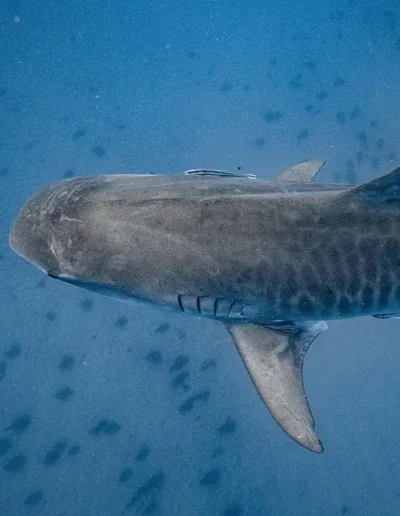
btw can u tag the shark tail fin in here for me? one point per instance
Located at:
(273, 356)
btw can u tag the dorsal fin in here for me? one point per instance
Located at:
(303, 172)
(382, 189)
(274, 356)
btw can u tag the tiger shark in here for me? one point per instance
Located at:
(271, 260)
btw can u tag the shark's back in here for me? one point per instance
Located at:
(135, 188)
(272, 250)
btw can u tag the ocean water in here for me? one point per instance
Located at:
(109, 409)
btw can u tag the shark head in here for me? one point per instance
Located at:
(31, 236)
(55, 232)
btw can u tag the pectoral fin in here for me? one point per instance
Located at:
(273, 356)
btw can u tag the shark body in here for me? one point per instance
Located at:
(270, 260)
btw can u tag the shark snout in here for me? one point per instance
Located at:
(31, 235)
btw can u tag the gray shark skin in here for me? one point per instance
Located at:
(270, 260)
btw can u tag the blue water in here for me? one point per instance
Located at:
(111, 409)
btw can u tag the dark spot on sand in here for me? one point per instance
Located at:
(53, 455)
(310, 65)
(218, 451)
(3, 369)
(228, 427)
(210, 363)
(112, 427)
(21, 423)
(33, 499)
(260, 142)
(87, 305)
(3, 91)
(179, 362)
(99, 151)
(74, 450)
(362, 139)
(271, 116)
(13, 352)
(295, 82)
(99, 427)
(321, 95)
(312, 109)
(68, 174)
(105, 426)
(51, 316)
(143, 453)
(15, 464)
(121, 322)
(341, 117)
(303, 134)
(125, 475)
(162, 328)
(180, 380)
(356, 113)
(5, 445)
(154, 483)
(211, 478)
(67, 363)
(79, 133)
(4, 171)
(226, 86)
(338, 82)
(29, 146)
(233, 510)
(188, 405)
(64, 394)
(391, 18)
(154, 357)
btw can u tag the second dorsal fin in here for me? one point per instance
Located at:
(302, 173)
(273, 356)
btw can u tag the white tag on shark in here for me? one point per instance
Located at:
(219, 173)
(387, 316)
(274, 356)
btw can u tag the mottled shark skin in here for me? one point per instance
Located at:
(270, 260)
